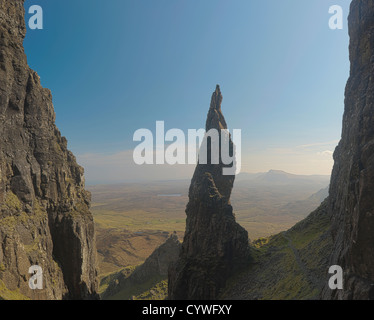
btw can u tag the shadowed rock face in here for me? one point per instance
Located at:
(351, 199)
(154, 267)
(44, 208)
(214, 245)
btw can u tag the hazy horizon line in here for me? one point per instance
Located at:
(144, 180)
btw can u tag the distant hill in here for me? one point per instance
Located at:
(270, 202)
(304, 207)
(280, 177)
(248, 176)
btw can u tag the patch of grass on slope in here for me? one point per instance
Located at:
(106, 279)
(6, 294)
(290, 265)
(152, 288)
(157, 292)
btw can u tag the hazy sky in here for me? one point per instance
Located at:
(119, 65)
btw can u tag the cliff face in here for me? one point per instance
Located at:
(351, 201)
(214, 245)
(153, 270)
(44, 208)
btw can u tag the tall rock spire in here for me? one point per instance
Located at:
(214, 246)
(351, 200)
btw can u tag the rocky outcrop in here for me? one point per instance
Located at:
(351, 201)
(214, 246)
(154, 269)
(44, 208)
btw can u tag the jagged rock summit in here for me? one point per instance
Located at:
(214, 246)
(215, 119)
(351, 201)
(44, 208)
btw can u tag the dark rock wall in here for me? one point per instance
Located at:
(351, 199)
(44, 208)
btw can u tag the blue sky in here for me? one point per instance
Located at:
(119, 65)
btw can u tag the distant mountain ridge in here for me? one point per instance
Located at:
(281, 177)
(307, 205)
